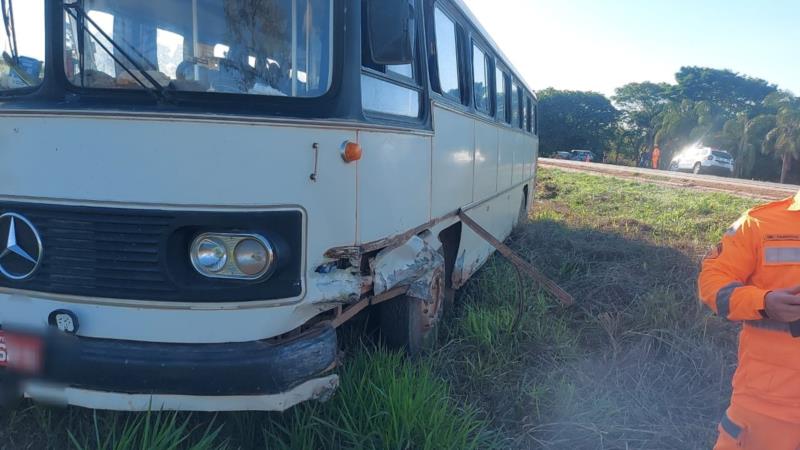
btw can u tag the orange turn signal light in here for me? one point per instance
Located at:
(351, 152)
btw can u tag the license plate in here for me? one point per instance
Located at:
(21, 353)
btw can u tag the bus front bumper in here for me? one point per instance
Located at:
(134, 376)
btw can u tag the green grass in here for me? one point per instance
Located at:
(641, 209)
(637, 363)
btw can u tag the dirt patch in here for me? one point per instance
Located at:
(547, 190)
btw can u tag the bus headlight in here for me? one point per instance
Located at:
(235, 256)
(209, 255)
(252, 256)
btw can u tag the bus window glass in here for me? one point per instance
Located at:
(22, 46)
(447, 55)
(536, 119)
(403, 70)
(269, 47)
(528, 113)
(480, 80)
(523, 113)
(385, 97)
(170, 52)
(514, 105)
(500, 98)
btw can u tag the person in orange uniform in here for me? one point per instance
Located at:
(753, 277)
(656, 157)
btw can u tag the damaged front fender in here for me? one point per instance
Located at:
(415, 264)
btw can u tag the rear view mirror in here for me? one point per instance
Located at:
(391, 27)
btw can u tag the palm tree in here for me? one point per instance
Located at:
(684, 123)
(746, 137)
(783, 140)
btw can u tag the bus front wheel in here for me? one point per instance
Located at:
(411, 323)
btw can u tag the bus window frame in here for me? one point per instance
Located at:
(488, 58)
(506, 121)
(417, 84)
(462, 57)
(528, 113)
(522, 110)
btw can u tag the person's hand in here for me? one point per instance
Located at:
(783, 305)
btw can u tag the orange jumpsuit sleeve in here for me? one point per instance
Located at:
(723, 282)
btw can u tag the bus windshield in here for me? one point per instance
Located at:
(261, 47)
(22, 44)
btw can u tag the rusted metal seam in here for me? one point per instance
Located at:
(349, 251)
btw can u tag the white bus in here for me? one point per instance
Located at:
(194, 194)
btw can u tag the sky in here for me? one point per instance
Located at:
(599, 45)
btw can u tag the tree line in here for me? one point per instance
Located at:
(754, 120)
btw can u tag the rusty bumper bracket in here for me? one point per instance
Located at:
(522, 266)
(343, 315)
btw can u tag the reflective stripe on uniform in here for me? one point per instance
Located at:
(724, 298)
(768, 324)
(779, 255)
(730, 427)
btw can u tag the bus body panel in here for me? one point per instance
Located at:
(498, 217)
(453, 158)
(99, 319)
(486, 159)
(506, 163)
(521, 156)
(394, 188)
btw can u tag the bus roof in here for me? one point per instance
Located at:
(486, 36)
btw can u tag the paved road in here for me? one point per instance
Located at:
(746, 188)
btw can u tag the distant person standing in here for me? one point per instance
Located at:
(656, 157)
(645, 159)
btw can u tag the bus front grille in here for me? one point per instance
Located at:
(141, 254)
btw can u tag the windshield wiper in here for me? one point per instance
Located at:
(76, 11)
(11, 34)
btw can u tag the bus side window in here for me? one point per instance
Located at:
(447, 55)
(501, 98)
(480, 79)
(515, 106)
(388, 89)
(402, 70)
(529, 112)
(523, 113)
(536, 119)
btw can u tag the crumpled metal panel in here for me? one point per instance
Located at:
(338, 285)
(415, 263)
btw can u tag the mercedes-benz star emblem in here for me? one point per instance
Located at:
(20, 247)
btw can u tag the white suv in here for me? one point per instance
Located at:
(703, 160)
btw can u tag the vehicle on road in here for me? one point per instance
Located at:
(562, 155)
(194, 195)
(582, 155)
(699, 159)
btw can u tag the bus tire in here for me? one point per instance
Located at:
(412, 324)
